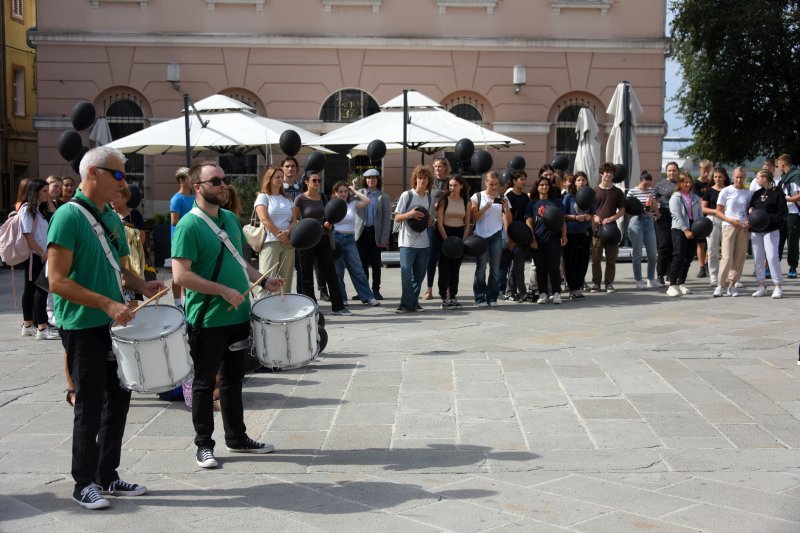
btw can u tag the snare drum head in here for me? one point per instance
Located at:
(150, 322)
(286, 308)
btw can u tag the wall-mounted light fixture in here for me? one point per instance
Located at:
(174, 75)
(519, 77)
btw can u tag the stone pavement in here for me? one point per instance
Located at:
(624, 412)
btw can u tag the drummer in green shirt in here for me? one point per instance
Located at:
(217, 310)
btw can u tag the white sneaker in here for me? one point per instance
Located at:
(542, 299)
(777, 293)
(684, 289)
(673, 291)
(733, 291)
(557, 298)
(48, 334)
(717, 291)
(654, 283)
(713, 281)
(641, 284)
(738, 285)
(761, 291)
(610, 287)
(373, 302)
(28, 331)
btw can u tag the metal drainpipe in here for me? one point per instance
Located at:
(5, 173)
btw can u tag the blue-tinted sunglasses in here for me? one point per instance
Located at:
(117, 174)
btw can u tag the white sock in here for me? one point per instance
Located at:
(178, 301)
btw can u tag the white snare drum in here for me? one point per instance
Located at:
(152, 351)
(285, 330)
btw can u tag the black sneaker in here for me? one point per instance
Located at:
(123, 488)
(205, 458)
(251, 446)
(324, 297)
(403, 309)
(377, 294)
(89, 497)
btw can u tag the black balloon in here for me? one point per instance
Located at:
(305, 234)
(560, 162)
(453, 247)
(290, 142)
(609, 234)
(323, 338)
(584, 198)
(335, 210)
(520, 233)
(475, 245)
(75, 162)
(464, 149)
(419, 224)
(505, 176)
(620, 173)
(481, 161)
(633, 206)
(69, 144)
(517, 163)
(83, 116)
(553, 218)
(758, 220)
(376, 150)
(315, 162)
(136, 197)
(702, 228)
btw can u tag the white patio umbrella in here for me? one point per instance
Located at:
(101, 132)
(228, 127)
(430, 128)
(615, 150)
(587, 157)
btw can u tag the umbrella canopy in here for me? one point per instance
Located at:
(101, 133)
(587, 158)
(430, 128)
(221, 125)
(615, 149)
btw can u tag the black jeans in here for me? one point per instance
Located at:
(792, 231)
(547, 257)
(664, 241)
(433, 253)
(449, 268)
(683, 251)
(322, 253)
(370, 256)
(101, 406)
(34, 299)
(516, 273)
(211, 353)
(576, 259)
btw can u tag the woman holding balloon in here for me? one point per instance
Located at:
(768, 211)
(453, 220)
(545, 218)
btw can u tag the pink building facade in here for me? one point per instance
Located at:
(319, 63)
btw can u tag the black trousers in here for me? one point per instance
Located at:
(211, 353)
(577, 253)
(683, 251)
(101, 406)
(322, 253)
(664, 241)
(434, 240)
(449, 268)
(547, 257)
(370, 256)
(516, 272)
(34, 299)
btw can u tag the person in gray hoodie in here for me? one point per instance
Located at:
(684, 208)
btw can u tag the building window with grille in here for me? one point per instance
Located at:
(18, 92)
(17, 10)
(468, 110)
(125, 117)
(348, 105)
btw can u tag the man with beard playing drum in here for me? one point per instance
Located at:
(206, 258)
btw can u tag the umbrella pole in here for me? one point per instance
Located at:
(186, 126)
(405, 136)
(626, 133)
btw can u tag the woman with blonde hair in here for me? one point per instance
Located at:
(49, 207)
(274, 210)
(439, 186)
(684, 208)
(732, 206)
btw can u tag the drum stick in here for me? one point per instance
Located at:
(156, 296)
(256, 283)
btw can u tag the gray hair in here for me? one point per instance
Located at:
(98, 157)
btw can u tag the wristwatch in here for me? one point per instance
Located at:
(264, 283)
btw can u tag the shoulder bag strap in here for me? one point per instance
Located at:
(88, 208)
(99, 232)
(220, 233)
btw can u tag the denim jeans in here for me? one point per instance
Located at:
(413, 264)
(352, 261)
(482, 291)
(642, 232)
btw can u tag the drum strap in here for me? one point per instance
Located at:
(100, 230)
(207, 300)
(220, 233)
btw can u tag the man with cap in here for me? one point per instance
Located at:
(373, 224)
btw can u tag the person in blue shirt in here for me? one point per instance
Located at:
(546, 244)
(577, 252)
(180, 204)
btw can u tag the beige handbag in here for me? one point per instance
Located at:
(254, 233)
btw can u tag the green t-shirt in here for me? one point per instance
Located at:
(90, 268)
(195, 241)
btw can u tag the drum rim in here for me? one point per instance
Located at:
(257, 318)
(148, 339)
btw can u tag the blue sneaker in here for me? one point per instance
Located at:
(767, 274)
(792, 273)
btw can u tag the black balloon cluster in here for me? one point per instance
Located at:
(70, 143)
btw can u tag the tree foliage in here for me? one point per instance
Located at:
(741, 92)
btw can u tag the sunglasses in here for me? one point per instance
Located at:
(315, 180)
(117, 174)
(216, 182)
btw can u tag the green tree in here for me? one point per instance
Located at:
(741, 91)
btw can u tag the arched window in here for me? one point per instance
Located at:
(566, 139)
(348, 105)
(468, 110)
(125, 116)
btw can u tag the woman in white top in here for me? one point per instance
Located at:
(344, 234)
(491, 213)
(275, 211)
(34, 228)
(732, 206)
